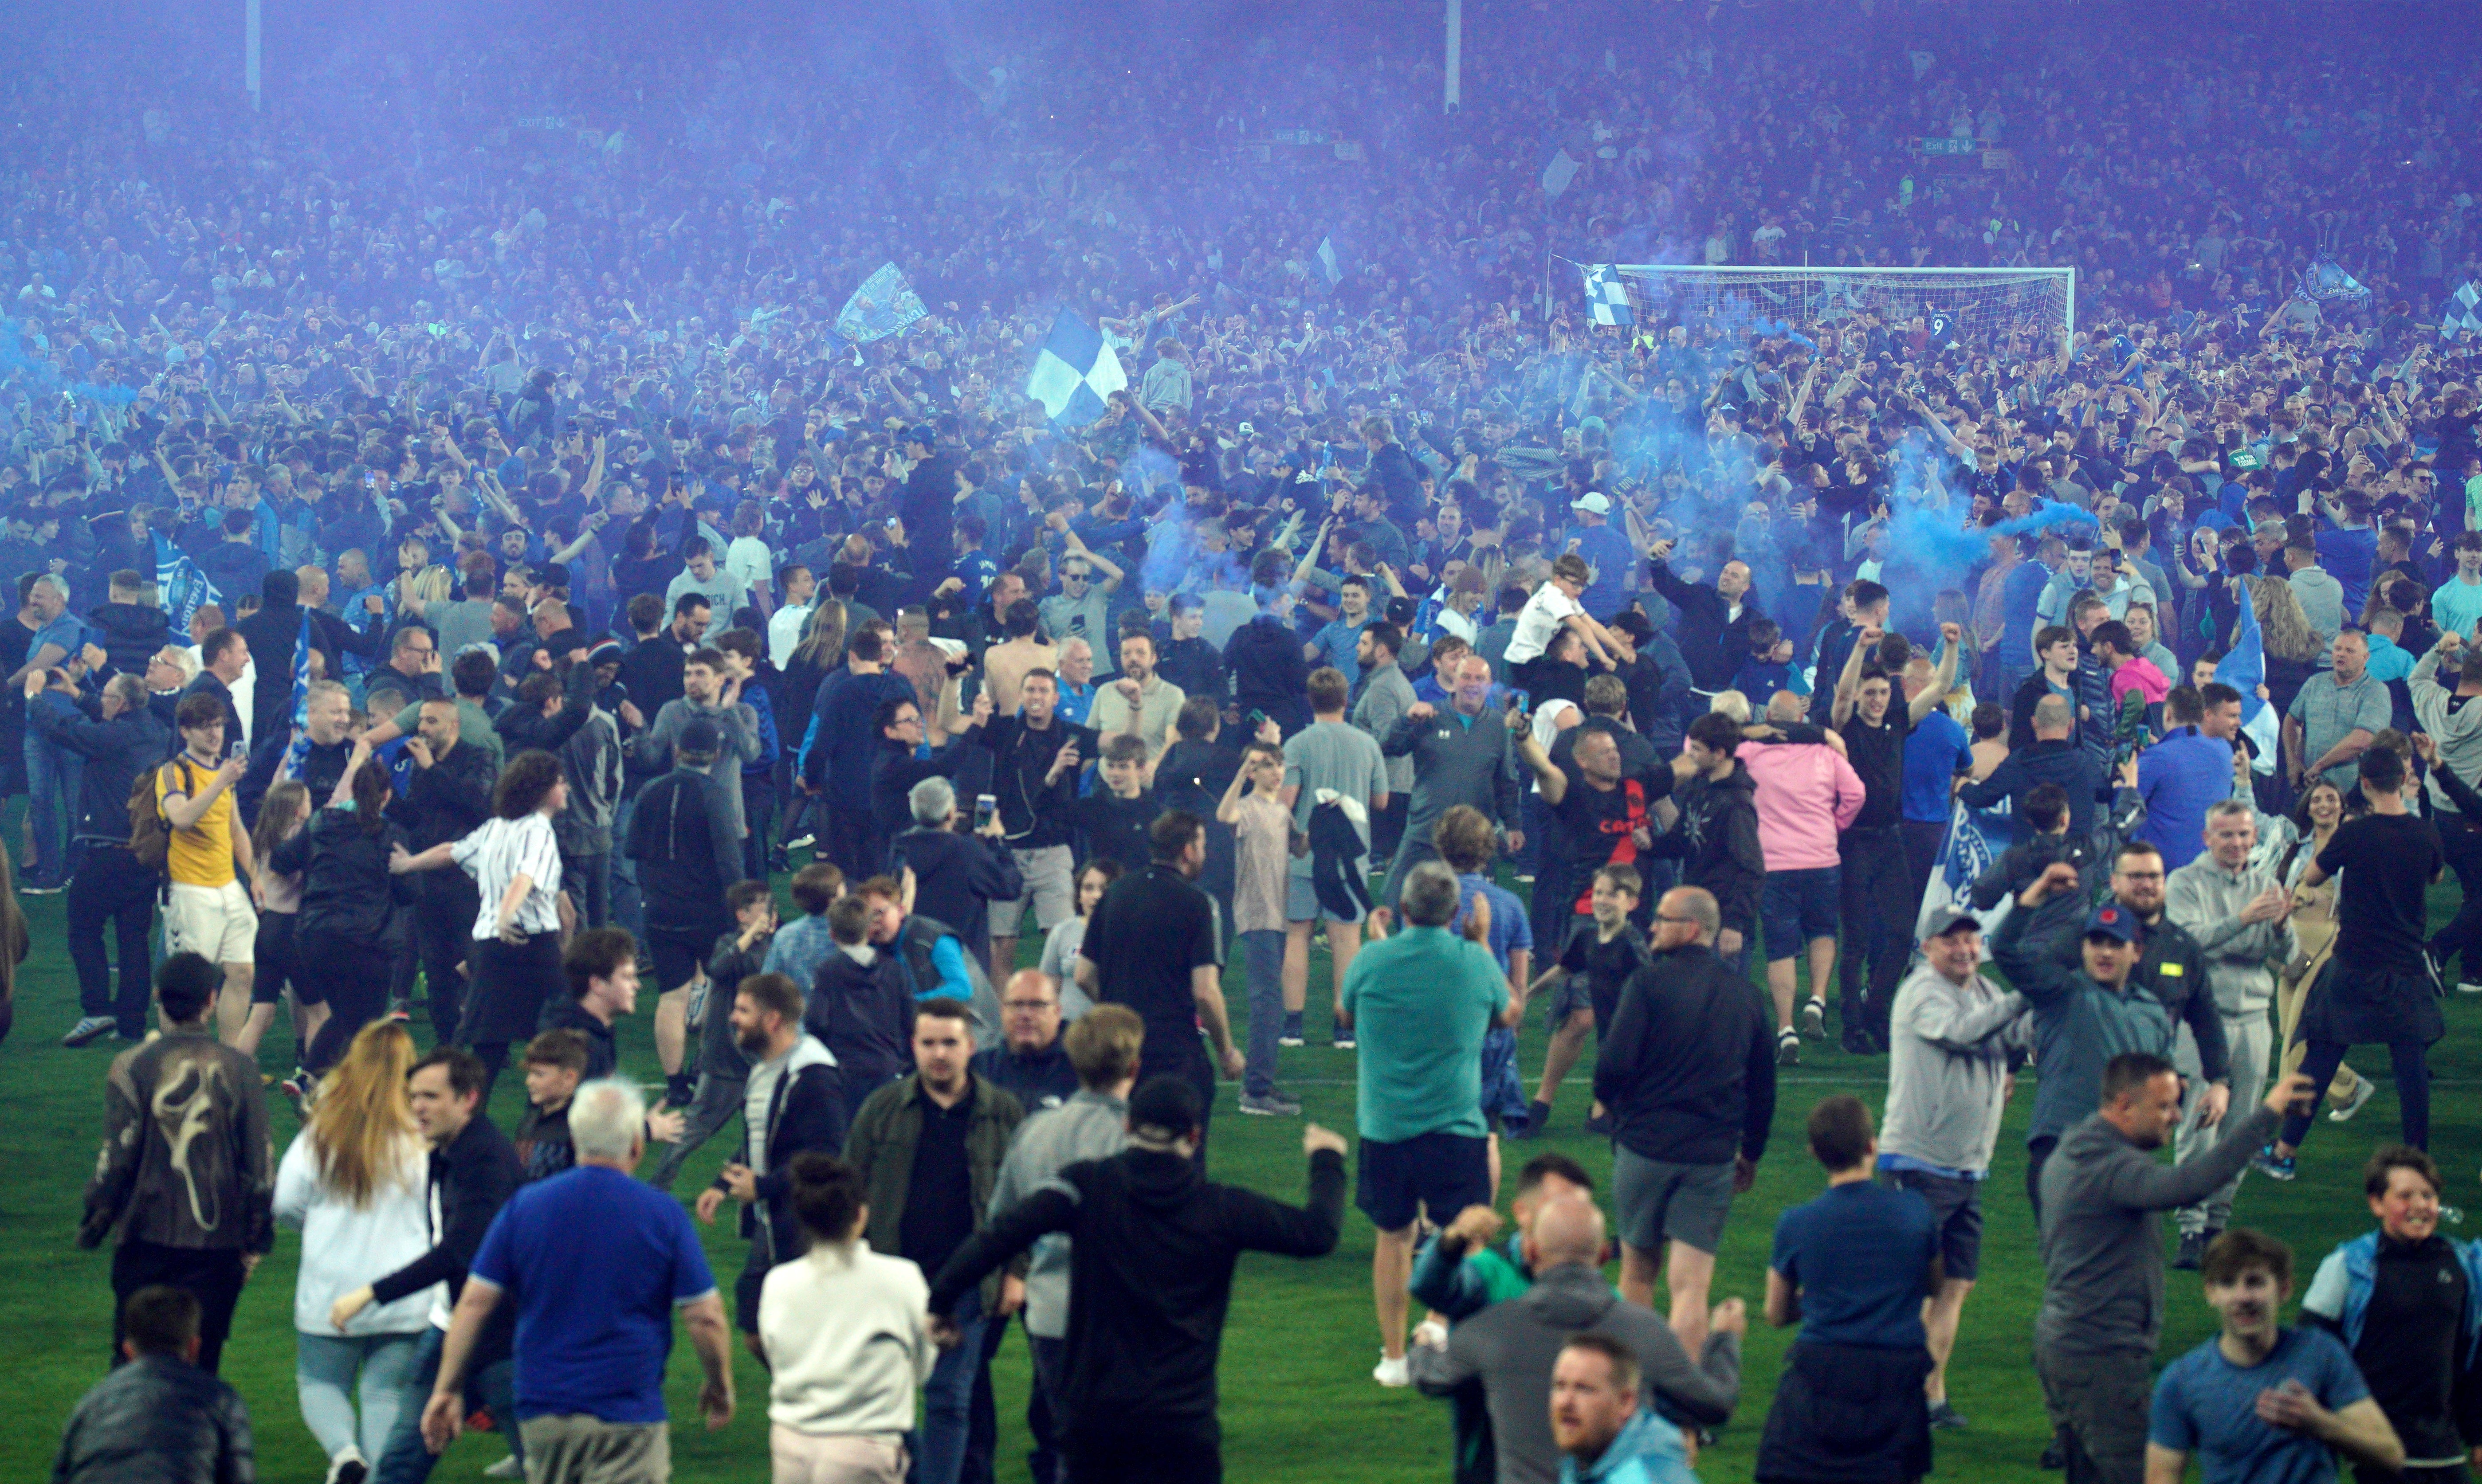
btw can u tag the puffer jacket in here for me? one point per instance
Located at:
(346, 886)
(1807, 795)
(130, 634)
(157, 1421)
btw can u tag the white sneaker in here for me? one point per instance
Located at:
(348, 1468)
(2363, 1092)
(1396, 1373)
(2468, 987)
(506, 1468)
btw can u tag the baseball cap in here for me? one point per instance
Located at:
(1948, 920)
(1593, 502)
(2111, 920)
(1167, 1104)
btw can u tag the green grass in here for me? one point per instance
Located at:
(1298, 1398)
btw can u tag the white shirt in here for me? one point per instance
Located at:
(847, 1332)
(345, 1246)
(1540, 622)
(748, 558)
(784, 633)
(497, 853)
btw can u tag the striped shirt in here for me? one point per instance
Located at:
(500, 851)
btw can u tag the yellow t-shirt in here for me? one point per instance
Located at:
(200, 855)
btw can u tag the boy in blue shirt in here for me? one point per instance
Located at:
(2260, 1403)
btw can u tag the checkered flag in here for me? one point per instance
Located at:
(1606, 295)
(2463, 312)
(1075, 372)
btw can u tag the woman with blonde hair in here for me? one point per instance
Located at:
(354, 1182)
(2292, 647)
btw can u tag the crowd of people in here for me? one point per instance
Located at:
(467, 551)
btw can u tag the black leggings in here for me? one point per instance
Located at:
(351, 976)
(2413, 1088)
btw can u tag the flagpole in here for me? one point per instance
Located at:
(1453, 75)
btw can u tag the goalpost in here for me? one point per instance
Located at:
(1980, 300)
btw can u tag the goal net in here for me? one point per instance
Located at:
(1966, 304)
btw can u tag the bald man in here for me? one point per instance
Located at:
(1511, 1345)
(2055, 756)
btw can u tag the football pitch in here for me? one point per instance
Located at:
(1298, 1400)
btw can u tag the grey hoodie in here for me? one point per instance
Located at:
(1947, 1068)
(2207, 901)
(1089, 1125)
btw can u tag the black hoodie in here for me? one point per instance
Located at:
(1153, 1246)
(1688, 1068)
(1717, 836)
(130, 634)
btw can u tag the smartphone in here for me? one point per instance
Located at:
(1522, 700)
(986, 807)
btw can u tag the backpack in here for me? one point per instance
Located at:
(150, 833)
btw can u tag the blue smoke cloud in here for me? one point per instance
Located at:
(33, 374)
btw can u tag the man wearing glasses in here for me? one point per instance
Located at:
(1082, 607)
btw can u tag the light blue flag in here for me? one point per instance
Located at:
(2244, 669)
(882, 305)
(1075, 372)
(181, 586)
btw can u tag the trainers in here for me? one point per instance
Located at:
(506, 1468)
(1813, 1018)
(1857, 1043)
(2193, 1251)
(2364, 1091)
(2274, 1166)
(89, 1028)
(2054, 1457)
(36, 889)
(1396, 1373)
(1270, 1105)
(1945, 1416)
(348, 1468)
(2464, 987)
(1788, 1048)
(1344, 1041)
(1600, 1125)
(799, 840)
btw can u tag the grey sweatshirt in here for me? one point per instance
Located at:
(1947, 1069)
(738, 724)
(2103, 1255)
(2207, 901)
(2459, 730)
(1089, 1125)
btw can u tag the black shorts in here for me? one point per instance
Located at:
(677, 955)
(1445, 1172)
(273, 963)
(1955, 1207)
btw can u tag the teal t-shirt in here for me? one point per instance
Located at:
(1421, 1002)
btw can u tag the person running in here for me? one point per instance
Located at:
(2407, 1302)
(1153, 1246)
(2260, 1401)
(354, 1182)
(347, 933)
(186, 1180)
(1951, 1034)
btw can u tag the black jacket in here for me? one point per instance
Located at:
(806, 1113)
(116, 752)
(864, 1017)
(210, 684)
(448, 800)
(1717, 836)
(130, 634)
(1268, 672)
(157, 1421)
(1038, 1080)
(1153, 1246)
(682, 838)
(956, 879)
(2062, 761)
(522, 726)
(1688, 1068)
(470, 1180)
(321, 768)
(346, 888)
(1712, 642)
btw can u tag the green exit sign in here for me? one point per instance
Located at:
(1950, 146)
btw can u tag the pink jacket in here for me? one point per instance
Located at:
(1808, 794)
(2142, 676)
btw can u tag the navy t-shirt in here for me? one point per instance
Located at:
(1861, 1255)
(2205, 1405)
(596, 1262)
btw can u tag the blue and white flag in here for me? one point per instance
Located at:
(183, 590)
(2463, 312)
(2244, 668)
(882, 305)
(1975, 838)
(1607, 293)
(1075, 372)
(1331, 268)
(301, 672)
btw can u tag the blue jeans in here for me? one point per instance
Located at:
(325, 1369)
(1263, 953)
(52, 777)
(948, 1400)
(408, 1459)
